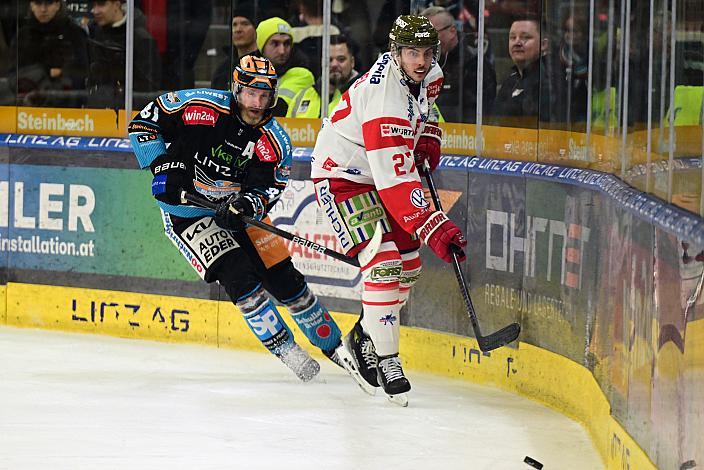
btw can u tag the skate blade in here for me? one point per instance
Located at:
(401, 399)
(363, 384)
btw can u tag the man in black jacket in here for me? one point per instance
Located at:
(49, 58)
(106, 80)
(527, 95)
(244, 42)
(458, 100)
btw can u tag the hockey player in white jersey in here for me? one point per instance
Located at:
(365, 166)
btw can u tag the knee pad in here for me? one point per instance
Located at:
(381, 276)
(237, 282)
(386, 266)
(411, 268)
(264, 320)
(314, 320)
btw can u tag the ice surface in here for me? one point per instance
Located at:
(72, 401)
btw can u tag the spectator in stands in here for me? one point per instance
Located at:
(244, 42)
(353, 17)
(458, 100)
(526, 95)
(389, 11)
(179, 28)
(309, 35)
(49, 57)
(307, 103)
(464, 12)
(9, 21)
(8, 29)
(106, 80)
(275, 41)
(572, 65)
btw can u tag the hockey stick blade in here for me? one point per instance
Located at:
(200, 201)
(368, 252)
(499, 338)
(494, 340)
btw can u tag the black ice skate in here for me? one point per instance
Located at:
(299, 361)
(364, 353)
(392, 380)
(359, 359)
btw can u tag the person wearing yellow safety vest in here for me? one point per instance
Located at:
(275, 41)
(307, 103)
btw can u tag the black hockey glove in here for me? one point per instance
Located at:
(241, 204)
(170, 178)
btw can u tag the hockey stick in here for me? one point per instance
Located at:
(489, 342)
(362, 258)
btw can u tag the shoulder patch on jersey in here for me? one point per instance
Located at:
(279, 134)
(434, 88)
(175, 100)
(265, 150)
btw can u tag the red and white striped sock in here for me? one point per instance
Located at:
(380, 299)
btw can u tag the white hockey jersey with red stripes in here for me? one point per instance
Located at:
(370, 136)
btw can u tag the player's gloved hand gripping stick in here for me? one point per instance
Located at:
(494, 340)
(363, 258)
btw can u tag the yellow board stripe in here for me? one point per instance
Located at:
(533, 372)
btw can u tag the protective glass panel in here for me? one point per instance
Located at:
(107, 31)
(169, 38)
(351, 51)
(515, 47)
(682, 135)
(47, 56)
(8, 59)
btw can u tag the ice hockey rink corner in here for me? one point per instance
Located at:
(527, 370)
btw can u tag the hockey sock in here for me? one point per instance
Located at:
(314, 320)
(380, 299)
(411, 267)
(265, 321)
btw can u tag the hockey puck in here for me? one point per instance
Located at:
(533, 463)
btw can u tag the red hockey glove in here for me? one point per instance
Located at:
(427, 154)
(442, 236)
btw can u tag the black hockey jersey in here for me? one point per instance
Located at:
(202, 129)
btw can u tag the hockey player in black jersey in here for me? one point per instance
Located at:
(227, 147)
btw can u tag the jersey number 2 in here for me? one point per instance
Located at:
(400, 159)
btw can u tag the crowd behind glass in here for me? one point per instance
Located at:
(534, 67)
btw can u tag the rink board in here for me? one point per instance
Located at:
(528, 370)
(597, 274)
